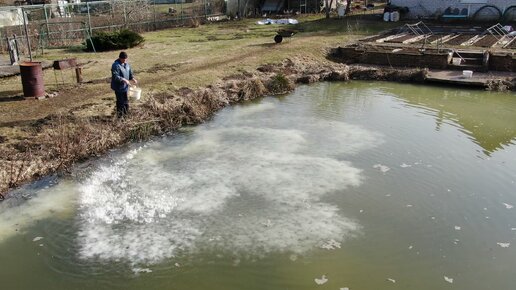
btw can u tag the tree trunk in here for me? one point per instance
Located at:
(348, 7)
(327, 9)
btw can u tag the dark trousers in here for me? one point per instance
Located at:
(122, 104)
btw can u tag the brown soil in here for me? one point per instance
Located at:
(431, 38)
(460, 39)
(401, 39)
(486, 41)
(374, 38)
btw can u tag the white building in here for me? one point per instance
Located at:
(11, 17)
(473, 9)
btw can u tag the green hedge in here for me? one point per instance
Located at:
(105, 41)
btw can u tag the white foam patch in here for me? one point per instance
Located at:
(18, 213)
(321, 281)
(448, 279)
(504, 245)
(382, 168)
(331, 245)
(248, 190)
(141, 270)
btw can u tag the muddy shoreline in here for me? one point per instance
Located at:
(59, 141)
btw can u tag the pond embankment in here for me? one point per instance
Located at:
(58, 141)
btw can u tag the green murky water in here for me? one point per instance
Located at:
(359, 185)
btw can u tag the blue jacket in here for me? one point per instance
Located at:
(120, 71)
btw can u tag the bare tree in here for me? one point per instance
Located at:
(327, 8)
(348, 7)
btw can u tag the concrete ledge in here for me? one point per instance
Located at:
(456, 78)
(13, 70)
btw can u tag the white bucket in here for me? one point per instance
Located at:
(467, 73)
(135, 93)
(395, 16)
(386, 16)
(457, 61)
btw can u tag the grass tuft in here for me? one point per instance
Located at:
(280, 84)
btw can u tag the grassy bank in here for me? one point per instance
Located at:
(186, 73)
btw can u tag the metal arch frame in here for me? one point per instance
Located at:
(505, 12)
(500, 13)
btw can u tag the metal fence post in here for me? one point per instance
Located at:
(89, 17)
(46, 24)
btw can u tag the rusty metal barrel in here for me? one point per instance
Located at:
(32, 79)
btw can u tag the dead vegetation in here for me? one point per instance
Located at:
(501, 85)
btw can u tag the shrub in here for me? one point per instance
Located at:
(105, 41)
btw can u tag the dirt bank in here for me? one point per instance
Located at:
(58, 141)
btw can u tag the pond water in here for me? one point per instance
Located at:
(364, 185)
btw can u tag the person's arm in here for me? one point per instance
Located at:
(131, 76)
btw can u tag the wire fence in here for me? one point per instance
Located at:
(68, 24)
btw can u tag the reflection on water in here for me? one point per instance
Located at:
(489, 119)
(359, 185)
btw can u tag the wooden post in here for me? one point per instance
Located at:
(327, 9)
(125, 15)
(78, 74)
(27, 33)
(16, 48)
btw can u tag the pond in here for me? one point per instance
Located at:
(360, 185)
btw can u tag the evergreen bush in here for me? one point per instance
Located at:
(105, 41)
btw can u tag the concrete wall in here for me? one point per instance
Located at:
(418, 8)
(439, 61)
(502, 62)
(399, 59)
(7, 2)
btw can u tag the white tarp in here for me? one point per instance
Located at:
(277, 21)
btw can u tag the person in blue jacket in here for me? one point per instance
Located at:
(121, 78)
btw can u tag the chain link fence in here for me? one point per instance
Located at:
(67, 24)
